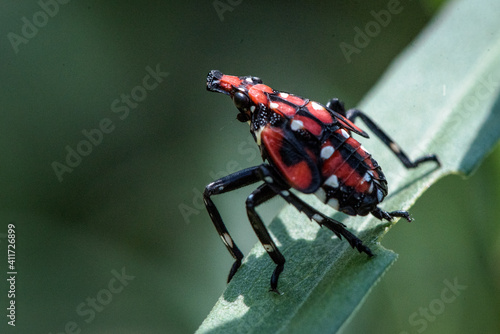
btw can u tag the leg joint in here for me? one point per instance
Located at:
(250, 202)
(336, 105)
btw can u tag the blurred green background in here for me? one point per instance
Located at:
(131, 208)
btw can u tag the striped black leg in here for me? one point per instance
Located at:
(225, 184)
(335, 226)
(259, 196)
(352, 114)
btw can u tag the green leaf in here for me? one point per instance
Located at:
(440, 96)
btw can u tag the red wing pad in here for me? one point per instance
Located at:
(298, 101)
(319, 112)
(296, 166)
(307, 123)
(282, 108)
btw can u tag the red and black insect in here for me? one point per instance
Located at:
(308, 147)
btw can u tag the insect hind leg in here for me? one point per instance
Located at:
(351, 114)
(337, 106)
(333, 225)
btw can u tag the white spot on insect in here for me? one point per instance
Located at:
(285, 193)
(332, 181)
(268, 248)
(344, 133)
(367, 177)
(274, 105)
(296, 125)
(364, 149)
(334, 203)
(221, 188)
(395, 148)
(249, 80)
(321, 194)
(268, 179)
(317, 217)
(257, 135)
(252, 108)
(380, 195)
(316, 106)
(370, 190)
(227, 240)
(284, 95)
(326, 152)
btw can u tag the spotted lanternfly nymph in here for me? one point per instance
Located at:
(308, 147)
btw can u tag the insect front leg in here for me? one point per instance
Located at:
(222, 185)
(352, 114)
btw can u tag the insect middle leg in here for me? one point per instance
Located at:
(222, 185)
(352, 114)
(259, 196)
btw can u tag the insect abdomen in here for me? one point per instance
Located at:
(352, 180)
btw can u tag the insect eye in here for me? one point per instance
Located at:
(241, 101)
